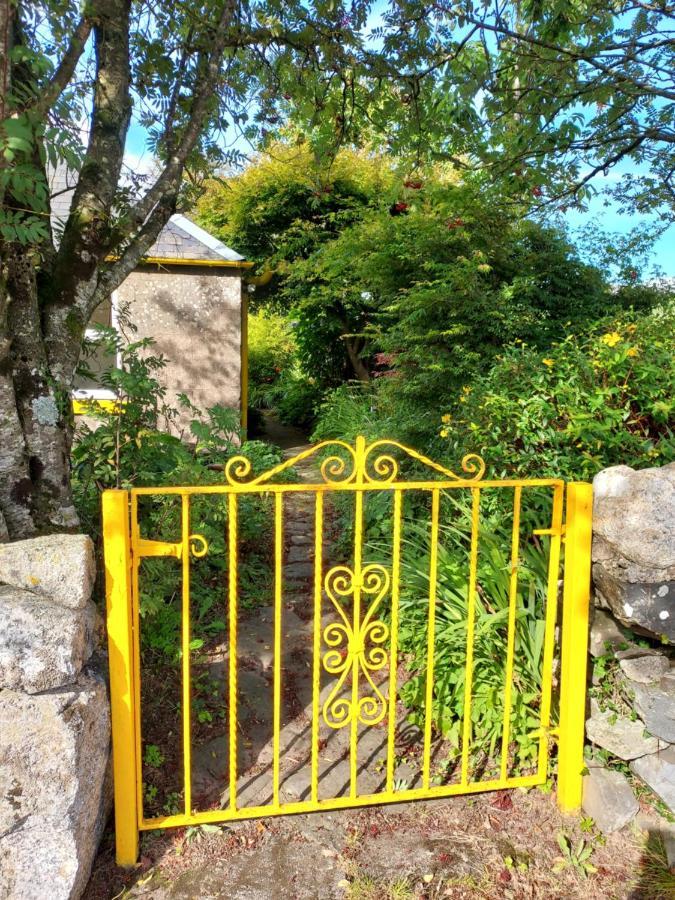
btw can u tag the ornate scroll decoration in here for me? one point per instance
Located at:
(383, 468)
(335, 469)
(198, 545)
(355, 646)
(362, 464)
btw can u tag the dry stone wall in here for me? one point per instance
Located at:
(54, 719)
(631, 721)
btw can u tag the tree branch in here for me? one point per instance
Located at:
(167, 184)
(66, 68)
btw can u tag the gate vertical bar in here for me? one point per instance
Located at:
(511, 632)
(551, 616)
(185, 655)
(276, 712)
(393, 658)
(576, 600)
(232, 661)
(356, 612)
(431, 640)
(470, 628)
(116, 539)
(316, 643)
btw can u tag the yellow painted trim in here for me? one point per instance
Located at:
(574, 654)
(243, 375)
(305, 806)
(207, 263)
(83, 407)
(172, 261)
(123, 697)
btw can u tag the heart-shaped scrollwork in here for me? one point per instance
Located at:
(355, 647)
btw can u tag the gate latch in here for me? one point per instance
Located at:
(197, 545)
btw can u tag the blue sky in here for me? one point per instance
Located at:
(611, 219)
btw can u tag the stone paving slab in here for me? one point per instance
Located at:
(277, 868)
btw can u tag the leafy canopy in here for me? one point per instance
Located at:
(288, 200)
(434, 292)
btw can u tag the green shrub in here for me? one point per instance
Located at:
(296, 399)
(348, 411)
(490, 632)
(271, 352)
(438, 290)
(603, 398)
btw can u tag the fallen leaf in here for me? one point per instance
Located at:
(502, 801)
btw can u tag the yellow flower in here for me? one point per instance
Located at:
(632, 352)
(446, 419)
(444, 432)
(611, 339)
(631, 328)
(548, 362)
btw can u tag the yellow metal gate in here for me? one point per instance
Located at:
(356, 651)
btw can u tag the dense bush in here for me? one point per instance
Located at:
(589, 401)
(436, 291)
(297, 398)
(287, 201)
(276, 378)
(271, 353)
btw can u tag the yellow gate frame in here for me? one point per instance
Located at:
(369, 471)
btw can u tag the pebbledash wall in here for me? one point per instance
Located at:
(195, 316)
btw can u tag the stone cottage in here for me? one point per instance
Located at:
(188, 295)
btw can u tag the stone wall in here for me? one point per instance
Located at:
(632, 704)
(54, 719)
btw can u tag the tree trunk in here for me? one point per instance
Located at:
(354, 348)
(35, 415)
(48, 294)
(15, 518)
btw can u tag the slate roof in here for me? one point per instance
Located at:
(180, 239)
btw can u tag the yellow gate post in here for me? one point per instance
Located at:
(576, 600)
(116, 542)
